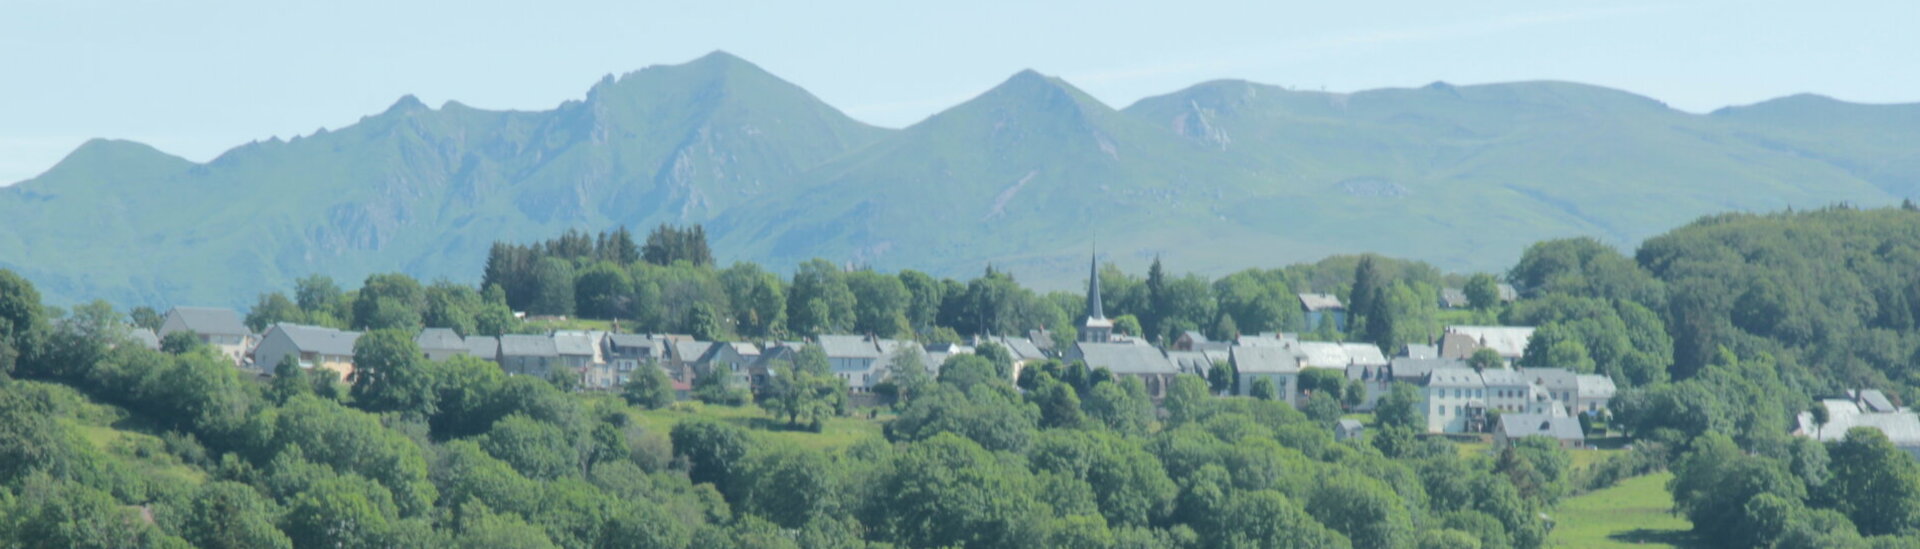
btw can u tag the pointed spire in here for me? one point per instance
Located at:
(1094, 310)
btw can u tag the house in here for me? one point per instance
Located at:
(1509, 392)
(1591, 393)
(1454, 298)
(1323, 308)
(1562, 429)
(625, 353)
(1275, 364)
(1379, 379)
(219, 328)
(440, 344)
(1507, 293)
(1900, 425)
(1454, 400)
(1129, 359)
(734, 358)
(578, 348)
(1462, 341)
(1348, 429)
(1560, 384)
(528, 355)
(485, 347)
(938, 353)
(853, 358)
(1024, 350)
(310, 346)
(684, 355)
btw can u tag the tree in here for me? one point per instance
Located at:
(1400, 407)
(539, 450)
(1122, 405)
(1484, 359)
(1365, 509)
(226, 514)
(553, 288)
(947, 491)
(180, 343)
(806, 393)
(289, 380)
(668, 244)
(1874, 483)
(1483, 292)
(603, 290)
(1331, 381)
(1127, 325)
(1220, 378)
(1263, 389)
(145, 317)
(789, 485)
(909, 374)
(272, 308)
(388, 374)
(1323, 408)
(648, 388)
(386, 301)
(1187, 400)
(1367, 284)
(1355, 395)
(713, 450)
(1059, 406)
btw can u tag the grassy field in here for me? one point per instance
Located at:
(1632, 514)
(838, 433)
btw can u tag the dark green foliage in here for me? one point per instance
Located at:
(948, 491)
(1874, 483)
(552, 288)
(993, 417)
(390, 374)
(1187, 400)
(1483, 292)
(1220, 378)
(233, 516)
(389, 301)
(1263, 389)
(180, 343)
(271, 309)
(648, 388)
(668, 244)
(1400, 407)
(713, 450)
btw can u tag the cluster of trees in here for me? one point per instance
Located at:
(1722, 332)
(673, 285)
(383, 301)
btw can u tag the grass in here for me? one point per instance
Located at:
(1584, 458)
(1631, 514)
(839, 432)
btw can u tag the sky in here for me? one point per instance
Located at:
(195, 78)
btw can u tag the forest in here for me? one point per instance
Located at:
(1718, 333)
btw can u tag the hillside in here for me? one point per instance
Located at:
(1216, 177)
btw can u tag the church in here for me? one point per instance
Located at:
(1123, 356)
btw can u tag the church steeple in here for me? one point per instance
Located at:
(1094, 310)
(1096, 329)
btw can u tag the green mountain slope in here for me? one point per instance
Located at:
(1219, 176)
(414, 188)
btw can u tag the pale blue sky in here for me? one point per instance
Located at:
(197, 77)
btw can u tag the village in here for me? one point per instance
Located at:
(1468, 380)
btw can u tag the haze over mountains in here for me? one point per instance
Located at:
(1216, 177)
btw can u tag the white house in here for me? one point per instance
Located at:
(1275, 364)
(1454, 401)
(311, 346)
(220, 328)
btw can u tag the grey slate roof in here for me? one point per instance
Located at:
(1516, 426)
(1415, 350)
(527, 345)
(1265, 360)
(1453, 297)
(573, 343)
(686, 350)
(487, 347)
(439, 339)
(1022, 348)
(1503, 378)
(1455, 377)
(1901, 427)
(849, 346)
(1350, 425)
(1126, 358)
(316, 339)
(1321, 302)
(1593, 386)
(1874, 400)
(211, 321)
(1190, 361)
(630, 340)
(1554, 379)
(1417, 369)
(1364, 354)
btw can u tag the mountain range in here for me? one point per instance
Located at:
(1025, 177)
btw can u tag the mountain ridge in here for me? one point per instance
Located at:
(1220, 175)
